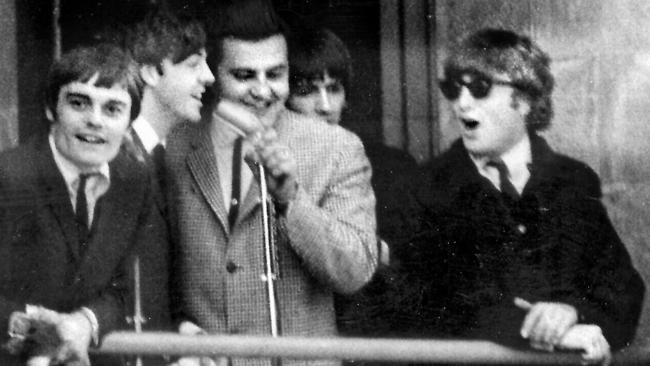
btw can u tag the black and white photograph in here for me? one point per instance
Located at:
(324, 182)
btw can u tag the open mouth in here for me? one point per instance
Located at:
(469, 123)
(90, 139)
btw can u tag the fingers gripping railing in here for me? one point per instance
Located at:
(389, 350)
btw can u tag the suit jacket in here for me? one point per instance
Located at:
(368, 313)
(154, 253)
(39, 258)
(474, 252)
(326, 242)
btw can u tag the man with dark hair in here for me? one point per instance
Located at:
(170, 52)
(320, 73)
(514, 244)
(172, 57)
(71, 212)
(318, 178)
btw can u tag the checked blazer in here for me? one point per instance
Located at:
(326, 242)
(39, 259)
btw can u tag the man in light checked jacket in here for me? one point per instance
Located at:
(319, 181)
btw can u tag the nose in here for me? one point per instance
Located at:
(323, 106)
(261, 90)
(94, 117)
(206, 76)
(465, 99)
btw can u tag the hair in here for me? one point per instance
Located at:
(110, 63)
(248, 20)
(498, 51)
(316, 51)
(163, 35)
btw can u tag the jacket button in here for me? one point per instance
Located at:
(231, 267)
(521, 228)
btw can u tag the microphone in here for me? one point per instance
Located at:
(246, 124)
(243, 121)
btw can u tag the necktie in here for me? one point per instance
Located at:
(236, 182)
(81, 212)
(158, 157)
(505, 185)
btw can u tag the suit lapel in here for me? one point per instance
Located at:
(54, 188)
(252, 198)
(134, 147)
(203, 166)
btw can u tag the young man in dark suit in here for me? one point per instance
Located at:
(171, 57)
(71, 211)
(514, 243)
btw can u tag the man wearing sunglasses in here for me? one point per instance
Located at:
(514, 244)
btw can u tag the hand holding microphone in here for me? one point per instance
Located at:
(274, 156)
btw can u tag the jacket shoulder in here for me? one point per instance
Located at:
(307, 130)
(574, 173)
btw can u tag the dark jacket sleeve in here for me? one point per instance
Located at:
(616, 289)
(610, 290)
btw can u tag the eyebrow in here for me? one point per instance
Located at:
(280, 67)
(76, 95)
(116, 101)
(87, 97)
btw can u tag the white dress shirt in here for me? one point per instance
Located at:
(96, 185)
(147, 134)
(517, 159)
(223, 141)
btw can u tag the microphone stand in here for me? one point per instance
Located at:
(138, 318)
(270, 264)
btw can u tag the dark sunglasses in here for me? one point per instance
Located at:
(478, 85)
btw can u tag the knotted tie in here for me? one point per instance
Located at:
(236, 182)
(505, 185)
(81, 213)
(158, 157)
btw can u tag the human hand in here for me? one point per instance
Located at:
(279, 163)
(75, 331)
(267, 150)
(590, 339)
(546, 322)
(45, 336)
(189, 328)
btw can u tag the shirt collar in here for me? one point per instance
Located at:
(69, 170)
(518, 157)
(147, 134)
(517, 160)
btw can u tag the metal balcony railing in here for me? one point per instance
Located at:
(370, 349)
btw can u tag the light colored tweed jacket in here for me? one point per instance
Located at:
(327, 241)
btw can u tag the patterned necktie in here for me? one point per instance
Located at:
(236, 182)
(505, 185)
(81, 213)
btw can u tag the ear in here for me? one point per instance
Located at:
(524, 107)
(521, 105)
(49, 114)
(149, 74)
